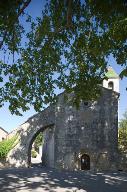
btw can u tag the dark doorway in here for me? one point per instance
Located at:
(85, 162)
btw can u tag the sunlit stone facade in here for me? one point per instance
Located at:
(85, 138)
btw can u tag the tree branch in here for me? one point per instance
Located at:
(69, 13)
(23, 8)
(19, 13)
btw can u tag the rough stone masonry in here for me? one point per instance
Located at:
(74, 139)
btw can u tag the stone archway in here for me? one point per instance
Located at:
(20, 156)
(31, 142)
(43, 129)
(68, 133)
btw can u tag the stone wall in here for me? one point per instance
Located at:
(69, 133)
(48, 147)
(122, 161)
(92, 130)
(3, 163)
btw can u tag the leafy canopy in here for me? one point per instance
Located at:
(66, 48)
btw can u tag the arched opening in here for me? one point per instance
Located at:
(111, 85)
(85, 162)
(36, 151)
(36, 145)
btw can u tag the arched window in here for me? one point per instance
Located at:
(85, 162)
(111, 85)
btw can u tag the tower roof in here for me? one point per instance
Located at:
(111, 73)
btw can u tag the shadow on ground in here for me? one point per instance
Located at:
(39, 179)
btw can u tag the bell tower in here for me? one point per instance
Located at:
(113, 80)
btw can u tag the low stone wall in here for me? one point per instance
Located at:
(122, 166)
(3, 163)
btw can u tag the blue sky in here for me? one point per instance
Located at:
(9, 122)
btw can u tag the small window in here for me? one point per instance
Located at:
(86, 103)
(111, 85)
(2, 138)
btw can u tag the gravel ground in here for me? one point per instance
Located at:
(41, 179)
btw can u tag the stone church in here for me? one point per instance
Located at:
(74, 139)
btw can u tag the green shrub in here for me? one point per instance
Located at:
(33, 154)
(6, 146)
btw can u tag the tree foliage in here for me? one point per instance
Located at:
(33, 153)
(38, 141)
(67, 48)
(10, 27)
(123, 134)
